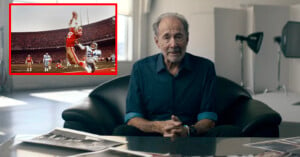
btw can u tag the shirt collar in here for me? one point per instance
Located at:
(186, 63)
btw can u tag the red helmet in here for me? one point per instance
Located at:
(79, 32)
(74, 13)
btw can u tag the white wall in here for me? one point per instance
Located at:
(201, 39)
(260, 70)
(249, 55)
(5, 79)
(294, 64)
(269, 20)
(229, 23)
(200, 15)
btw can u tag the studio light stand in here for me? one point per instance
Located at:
(277, 40)
(254, 41)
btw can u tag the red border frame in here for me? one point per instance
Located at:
(81, 4)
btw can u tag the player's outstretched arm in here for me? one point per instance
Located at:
(81, 46)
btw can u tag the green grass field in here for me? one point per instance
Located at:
(39, 68)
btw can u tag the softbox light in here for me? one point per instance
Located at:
(290, 39)
(253, 40)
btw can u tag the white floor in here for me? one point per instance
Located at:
(39, 111)
(283, 103)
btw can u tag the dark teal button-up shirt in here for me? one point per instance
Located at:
(155, 94)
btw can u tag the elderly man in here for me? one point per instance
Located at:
(172, 93)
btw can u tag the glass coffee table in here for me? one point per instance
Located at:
(195, 146)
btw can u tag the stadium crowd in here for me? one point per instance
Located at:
(53, 42)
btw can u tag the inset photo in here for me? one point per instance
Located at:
(63, 39)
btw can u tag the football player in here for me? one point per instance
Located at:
(29, 62)
(91, 55)
(75, 32)
(59, 66)
(46, 59)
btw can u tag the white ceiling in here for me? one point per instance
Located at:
(275, 2)
(267, 2)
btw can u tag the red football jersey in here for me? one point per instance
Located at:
(71, 37)
(70, 42)
(29, 59)
(58, 65)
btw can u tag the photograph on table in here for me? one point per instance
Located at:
(73, 139)
(275, 145)
(63, 39)
(294, 140)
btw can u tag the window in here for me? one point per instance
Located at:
(124, 38)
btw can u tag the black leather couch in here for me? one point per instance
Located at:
(104, 109)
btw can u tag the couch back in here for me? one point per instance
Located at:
(113, 94)
(228, 95)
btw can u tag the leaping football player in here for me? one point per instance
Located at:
(29, 63)
(91, 55)
(75, 32)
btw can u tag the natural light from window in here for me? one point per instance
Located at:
(60, 96)
(8, 102)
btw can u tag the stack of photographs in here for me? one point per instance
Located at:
(287, 145)
(68, 138)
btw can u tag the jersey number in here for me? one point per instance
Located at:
(70, 34)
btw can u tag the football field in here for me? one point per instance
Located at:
(101, 67)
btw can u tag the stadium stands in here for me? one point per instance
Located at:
(53, 42)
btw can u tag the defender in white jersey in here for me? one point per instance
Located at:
(46, 60)
(91, 55)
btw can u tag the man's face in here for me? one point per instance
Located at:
(171, 39)
(93, 46)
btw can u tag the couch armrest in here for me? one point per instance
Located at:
(255, 117)
(93, 116)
